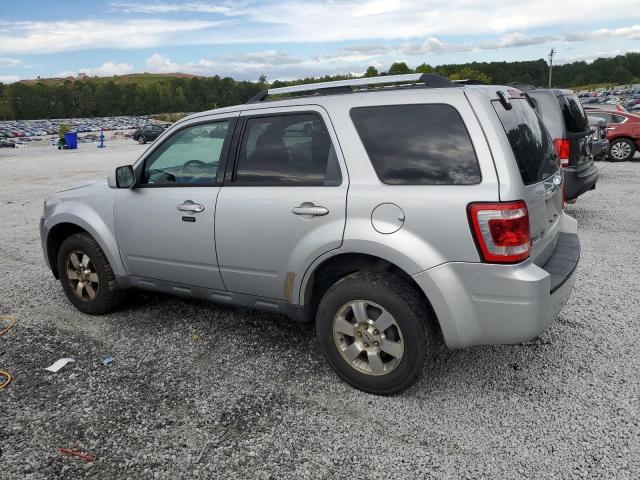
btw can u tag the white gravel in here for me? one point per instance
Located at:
(253, 391)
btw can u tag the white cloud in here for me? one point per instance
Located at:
(9, 79)
(224, 8)
(157, 63)
(109, 69)
(313, 21)
(9, 62)
(46, 37)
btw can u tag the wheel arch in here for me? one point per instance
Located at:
(68, 226)
(320, 277)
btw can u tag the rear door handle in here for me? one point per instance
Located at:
(308, 210)
(189, 206)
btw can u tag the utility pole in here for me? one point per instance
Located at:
(551, 53)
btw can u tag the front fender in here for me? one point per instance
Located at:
(97, 220)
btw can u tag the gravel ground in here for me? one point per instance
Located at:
(202, 391)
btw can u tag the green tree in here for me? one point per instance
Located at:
(424, 68)
(467, 73)
(371, 72)
(399, 68)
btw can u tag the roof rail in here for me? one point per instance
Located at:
(431, 80)
(521, 86)
(469, 81)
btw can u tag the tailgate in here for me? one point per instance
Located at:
(539, 168)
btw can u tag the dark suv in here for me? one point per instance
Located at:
(147, 133)
(567, 123)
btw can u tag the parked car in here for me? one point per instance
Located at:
(623, 133)
(567, 123)
(147, 133)
(612, 107)
(600, 145)
(387, 216)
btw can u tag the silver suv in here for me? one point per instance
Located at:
(393, 212)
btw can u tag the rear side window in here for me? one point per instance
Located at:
(417, 144)
(530, 142)
(573, 114)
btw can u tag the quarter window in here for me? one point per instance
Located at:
(287, 150)
(190, 156)
(417, 144)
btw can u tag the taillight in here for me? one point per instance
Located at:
(563, 150)
(501, 231)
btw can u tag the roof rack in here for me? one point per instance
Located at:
(431, 80)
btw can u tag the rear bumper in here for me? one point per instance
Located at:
(579, 181)
(482, 304)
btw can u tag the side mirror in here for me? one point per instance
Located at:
(124, 177)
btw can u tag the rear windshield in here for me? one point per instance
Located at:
(530, 142)
(573, 114)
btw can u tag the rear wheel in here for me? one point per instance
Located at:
(86, 276)
(373, 330)
(142, 140)
(621, 150)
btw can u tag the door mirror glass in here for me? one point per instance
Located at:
(125, 178)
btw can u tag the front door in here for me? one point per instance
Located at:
(165, 223)
(284, 205)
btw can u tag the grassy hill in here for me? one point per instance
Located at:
(135, 78)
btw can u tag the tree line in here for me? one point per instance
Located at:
(100, 97)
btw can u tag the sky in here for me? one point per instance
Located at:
(293, 39)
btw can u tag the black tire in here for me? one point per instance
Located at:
(142, 140)
(409, 311)
(107, 294)
(621, 143)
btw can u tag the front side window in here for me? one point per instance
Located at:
(189, 157)
(287, 150)
(423, 144)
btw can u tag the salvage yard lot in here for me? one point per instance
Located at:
(202, 391)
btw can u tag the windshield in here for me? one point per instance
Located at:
(529, 139)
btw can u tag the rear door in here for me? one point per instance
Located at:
(283, 203)
(539, 168)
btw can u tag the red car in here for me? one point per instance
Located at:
(623, 133)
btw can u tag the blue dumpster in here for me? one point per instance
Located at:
(71, 140)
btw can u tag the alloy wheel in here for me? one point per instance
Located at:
(368, 337)
(82, 275)
(620, 150)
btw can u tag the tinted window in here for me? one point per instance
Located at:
(549, 109)
(287, 150)
(573, 114)
(189, 156)
(531, 143)
(417, 144)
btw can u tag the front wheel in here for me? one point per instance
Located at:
(142, 140)
(86, 276)
(621, 150)
(373, 329)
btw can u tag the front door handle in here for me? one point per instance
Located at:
(189, 206)
(308, 210)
